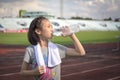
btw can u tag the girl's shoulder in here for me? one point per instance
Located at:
(30, 49)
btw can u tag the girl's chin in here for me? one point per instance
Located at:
(51, 36)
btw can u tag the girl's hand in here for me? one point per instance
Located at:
(66, 31)
(41, 69)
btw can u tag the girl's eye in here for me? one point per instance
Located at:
(49, 26)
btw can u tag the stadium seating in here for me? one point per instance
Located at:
(84, 25)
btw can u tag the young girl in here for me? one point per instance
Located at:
(45, 56)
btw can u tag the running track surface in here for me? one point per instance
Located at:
(101, 62)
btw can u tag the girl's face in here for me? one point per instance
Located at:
(47, 30)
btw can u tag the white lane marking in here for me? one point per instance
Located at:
(70, 65)
(105, 56)
(90, 70)
(100, 68)
(117, 77)
(10, 66)
(62, 66)
(10, 74)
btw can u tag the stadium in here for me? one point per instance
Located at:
(101, 40)
(16, 24)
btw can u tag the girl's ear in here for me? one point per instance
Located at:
(37, 31)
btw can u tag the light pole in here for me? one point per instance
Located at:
(61, 8)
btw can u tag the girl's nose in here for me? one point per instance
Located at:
(51, 28)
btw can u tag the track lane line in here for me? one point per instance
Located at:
(10, 66)
(10, 74)
(76, 64)
(114, 78)
(62, 66)
(99, 68)
(86, 71)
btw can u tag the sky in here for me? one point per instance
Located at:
(96, 9)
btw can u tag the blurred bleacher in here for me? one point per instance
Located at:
(84, 25)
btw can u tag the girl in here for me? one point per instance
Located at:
(45, 56)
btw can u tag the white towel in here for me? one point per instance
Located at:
(53, 55)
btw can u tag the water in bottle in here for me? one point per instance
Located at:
(74, 28)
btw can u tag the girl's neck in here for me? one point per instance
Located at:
(43, 43)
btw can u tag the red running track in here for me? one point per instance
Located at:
(101, 62)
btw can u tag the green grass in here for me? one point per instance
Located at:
(14, 38)
(98, 36)
(91, 37)
(83, 36)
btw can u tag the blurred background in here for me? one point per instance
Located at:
(96, 23)
(16, 15)
(93, 9)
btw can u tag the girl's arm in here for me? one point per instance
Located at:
(78, 50)
(25, 71)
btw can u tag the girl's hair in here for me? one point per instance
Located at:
(35, 24)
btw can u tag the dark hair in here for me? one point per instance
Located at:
(36, 23)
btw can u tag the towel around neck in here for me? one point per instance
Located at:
(53, 55)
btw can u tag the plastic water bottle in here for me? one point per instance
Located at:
(74, 28)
